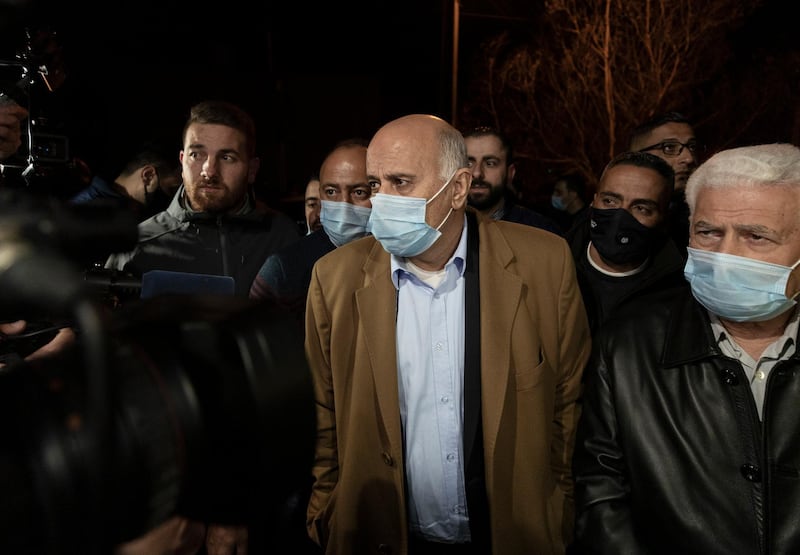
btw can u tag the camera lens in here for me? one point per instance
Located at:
(212, 417)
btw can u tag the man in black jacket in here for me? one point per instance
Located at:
(491, 162)
(621, 248)
(671, 136)
(213, 224)
(345, 209)
(689, 440)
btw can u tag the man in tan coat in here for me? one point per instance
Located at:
(447, 351)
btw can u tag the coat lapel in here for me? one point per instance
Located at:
(501, 293)
(377, 310)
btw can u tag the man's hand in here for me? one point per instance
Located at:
(62, 339)
(11, 116)
(176, 536)
(226, 540)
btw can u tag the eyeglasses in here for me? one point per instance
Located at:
(674, 148)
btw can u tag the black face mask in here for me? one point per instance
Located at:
(619, 237)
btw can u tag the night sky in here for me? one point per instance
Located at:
(310, 78)
(308, 83)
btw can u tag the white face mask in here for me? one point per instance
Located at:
(343, 222)
(737, 288)
(399, 223)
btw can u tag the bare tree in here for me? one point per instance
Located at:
(570, 92)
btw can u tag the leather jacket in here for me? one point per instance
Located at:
(182, 240)
(671, 456)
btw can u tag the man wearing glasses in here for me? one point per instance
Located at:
(670, 136)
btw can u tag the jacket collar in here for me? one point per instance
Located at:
(179, 209)
(688, 335)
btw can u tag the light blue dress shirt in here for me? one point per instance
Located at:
(430, 361)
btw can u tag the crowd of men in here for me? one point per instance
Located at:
(488, 379)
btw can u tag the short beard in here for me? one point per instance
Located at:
(496, 194)
(217, 204)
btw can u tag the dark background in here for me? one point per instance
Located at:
(311, 75)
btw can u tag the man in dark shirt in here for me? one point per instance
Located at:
(491, 161)
(213, 225)
(345, 208)
(671, 137)
(622, 249)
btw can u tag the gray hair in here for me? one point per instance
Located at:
(748, 166)
(454, 151)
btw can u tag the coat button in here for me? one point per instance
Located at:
(387, 459)
(750, 472)
(729, 377)
(385, 549)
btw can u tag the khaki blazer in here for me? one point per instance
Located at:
(534, 344)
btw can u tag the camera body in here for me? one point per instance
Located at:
(50, 148)
(208, 414)
(44, 151)
(197, 405)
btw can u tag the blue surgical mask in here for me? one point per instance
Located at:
(558, 203)
(738, 288)
(399, 223)
(343, 222)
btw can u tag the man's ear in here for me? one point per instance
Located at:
(148, 174)
(511, 171)
(793, 284)
(461, 184)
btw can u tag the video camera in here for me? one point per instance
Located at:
(44, 151)
(194, 405)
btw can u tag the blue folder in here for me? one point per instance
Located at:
(163, 282)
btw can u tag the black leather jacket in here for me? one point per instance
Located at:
(670, 454)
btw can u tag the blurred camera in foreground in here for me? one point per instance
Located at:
(205, 410)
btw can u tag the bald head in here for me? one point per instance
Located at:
(423, 156)
(344, 157)
(343, 175)
(426, 142)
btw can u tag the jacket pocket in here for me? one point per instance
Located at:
(531, 376)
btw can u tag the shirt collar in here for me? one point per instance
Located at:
(399, 264)
(788, 337)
